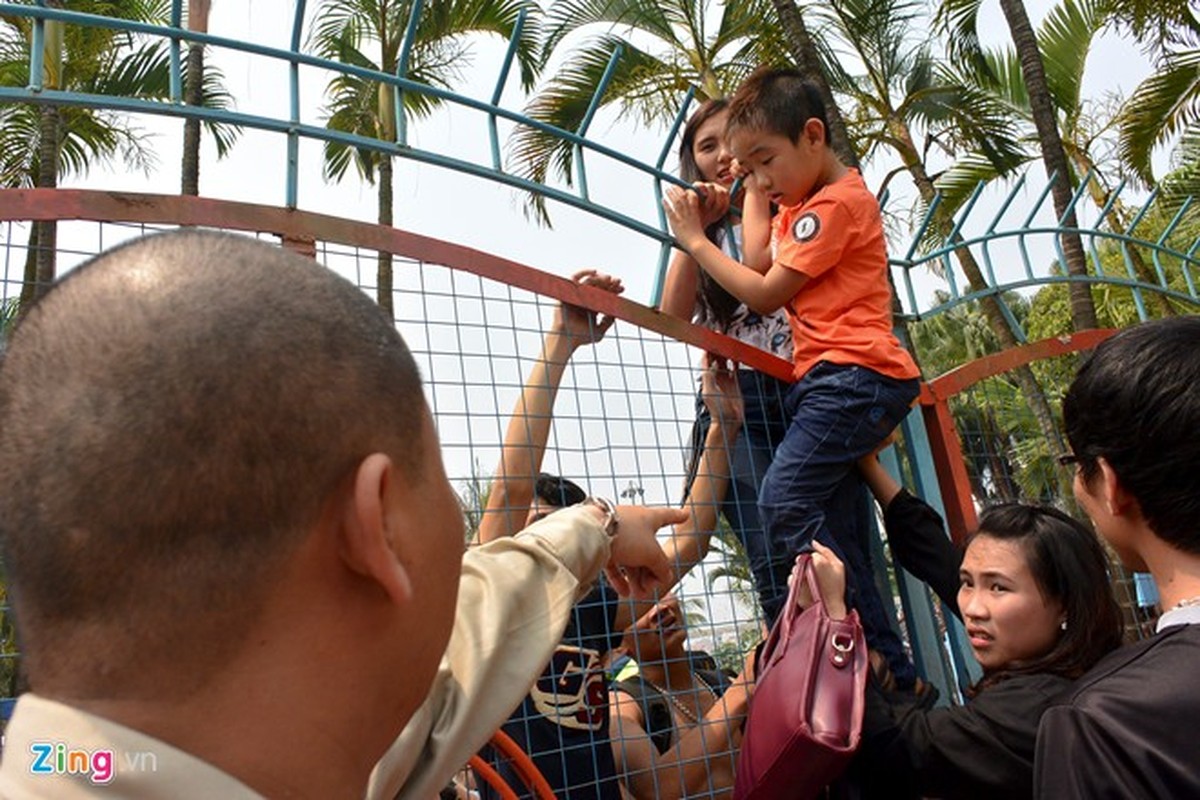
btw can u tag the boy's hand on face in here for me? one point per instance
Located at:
(685, 215)
(638, 566)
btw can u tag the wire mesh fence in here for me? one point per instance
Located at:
(622, 425)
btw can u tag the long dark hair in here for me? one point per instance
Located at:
(716, 304)
(1069, 566)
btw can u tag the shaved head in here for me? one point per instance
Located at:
(173, 417)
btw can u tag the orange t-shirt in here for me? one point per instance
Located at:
(843, 314)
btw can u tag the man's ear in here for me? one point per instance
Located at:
(366, 545)
(1117, 500)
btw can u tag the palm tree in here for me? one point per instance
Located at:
(1065, 38)
(907, 102)
(197, 22)
(811, 61)
(662, 50)
(368, 34)
(38, 143)
(203, 86)
(1184, 180)
(958, 18)
(1159, 24)
(1163, 106)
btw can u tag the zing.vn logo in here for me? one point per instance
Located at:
(55, 758)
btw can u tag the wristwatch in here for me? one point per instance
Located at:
(610, 513)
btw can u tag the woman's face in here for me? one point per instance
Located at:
(1008, 620)
(709, 151)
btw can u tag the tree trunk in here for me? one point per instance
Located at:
(383, 275)
(1083, 310)
(804, 52)
(47, 178)
(29, 287)
(193, 95)
(1006, 337)
(190, 183)
(49, 133)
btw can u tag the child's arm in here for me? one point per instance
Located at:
(512, 488)
(764, 294)
(683, 276)
(756, 229)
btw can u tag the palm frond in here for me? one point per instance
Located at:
(1161, 107)
(1065, 39)
(958, 20)
(1183, 180)
(538, 155)
(567, 16)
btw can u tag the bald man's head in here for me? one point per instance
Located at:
(173, 416)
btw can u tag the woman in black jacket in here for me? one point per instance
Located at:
(1033, 593)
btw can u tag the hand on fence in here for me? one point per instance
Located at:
(714, 204)
(685, 215)
(580, 325)
(720, 390)
(638, 566)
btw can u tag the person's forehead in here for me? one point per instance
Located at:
(749, 143)
(988, 555)
(713, 127)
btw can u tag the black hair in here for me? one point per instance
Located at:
(557, 491)
(778, 101)
(716, 304)
(1135, 402)
(1068, 564)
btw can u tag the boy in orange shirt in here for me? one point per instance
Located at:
(827, 263)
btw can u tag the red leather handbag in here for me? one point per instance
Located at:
(805, 717)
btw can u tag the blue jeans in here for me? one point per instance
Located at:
(813, 491)
(763, 428)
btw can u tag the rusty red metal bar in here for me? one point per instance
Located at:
(298, 230)
(945, 446)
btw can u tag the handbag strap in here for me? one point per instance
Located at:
(802, 573)
(781, 631)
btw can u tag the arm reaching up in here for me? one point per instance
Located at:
(915, 531)
(512, 489)
(690, 542)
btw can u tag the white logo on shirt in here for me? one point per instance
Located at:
(573, 694)
(806, 227)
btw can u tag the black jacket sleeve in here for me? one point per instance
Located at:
(919, 543)
(984, 749)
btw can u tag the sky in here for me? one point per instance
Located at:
(449, 205)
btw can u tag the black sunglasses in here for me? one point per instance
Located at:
(1069, 459)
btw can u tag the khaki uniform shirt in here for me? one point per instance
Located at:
(513, 603)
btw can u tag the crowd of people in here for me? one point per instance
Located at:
(230, 541)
